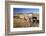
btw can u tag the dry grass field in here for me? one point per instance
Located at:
(22, 21)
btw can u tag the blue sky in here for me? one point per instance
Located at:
(25, 10)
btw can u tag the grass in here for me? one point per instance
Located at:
(21, 22)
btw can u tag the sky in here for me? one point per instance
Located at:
(25, 10)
